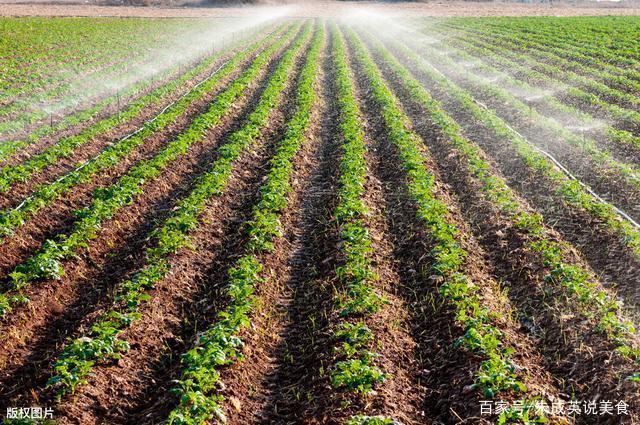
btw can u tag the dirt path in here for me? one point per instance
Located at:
(320, 8)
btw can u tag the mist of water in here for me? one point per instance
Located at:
(179, 52)
(418, 36)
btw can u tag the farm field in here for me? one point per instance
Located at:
(281, 220)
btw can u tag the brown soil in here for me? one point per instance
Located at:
(319, 8)
(59, 307)
(289, 347)
(393, 342)
(305, 301)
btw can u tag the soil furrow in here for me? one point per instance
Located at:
(302, 297)
(391, 325)
(297, 383)
(250, 384)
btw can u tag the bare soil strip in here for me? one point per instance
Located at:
(58, 308)
(573, 350)
(250, 384)
(302, 297)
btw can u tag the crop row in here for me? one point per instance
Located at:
(599, 70)
(594, 35)
(609, 38)
(584, 57)
(23, 110)
(599, 102)
(74, 113)
(10, 147)
(69, 47)
(497, 372)
(356, 370)
(47, 263)
(599, 91)
(83, 103)
(68, 145)
(47, 193)
(78, 357)
(220, 344)
(578, 282)
(83, 91)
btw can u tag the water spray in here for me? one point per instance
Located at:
(188, 48)
(118, 103)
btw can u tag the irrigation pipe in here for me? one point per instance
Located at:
(130, 135)
(567, 172)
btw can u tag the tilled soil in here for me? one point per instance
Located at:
(290, 347)
(163, 330)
